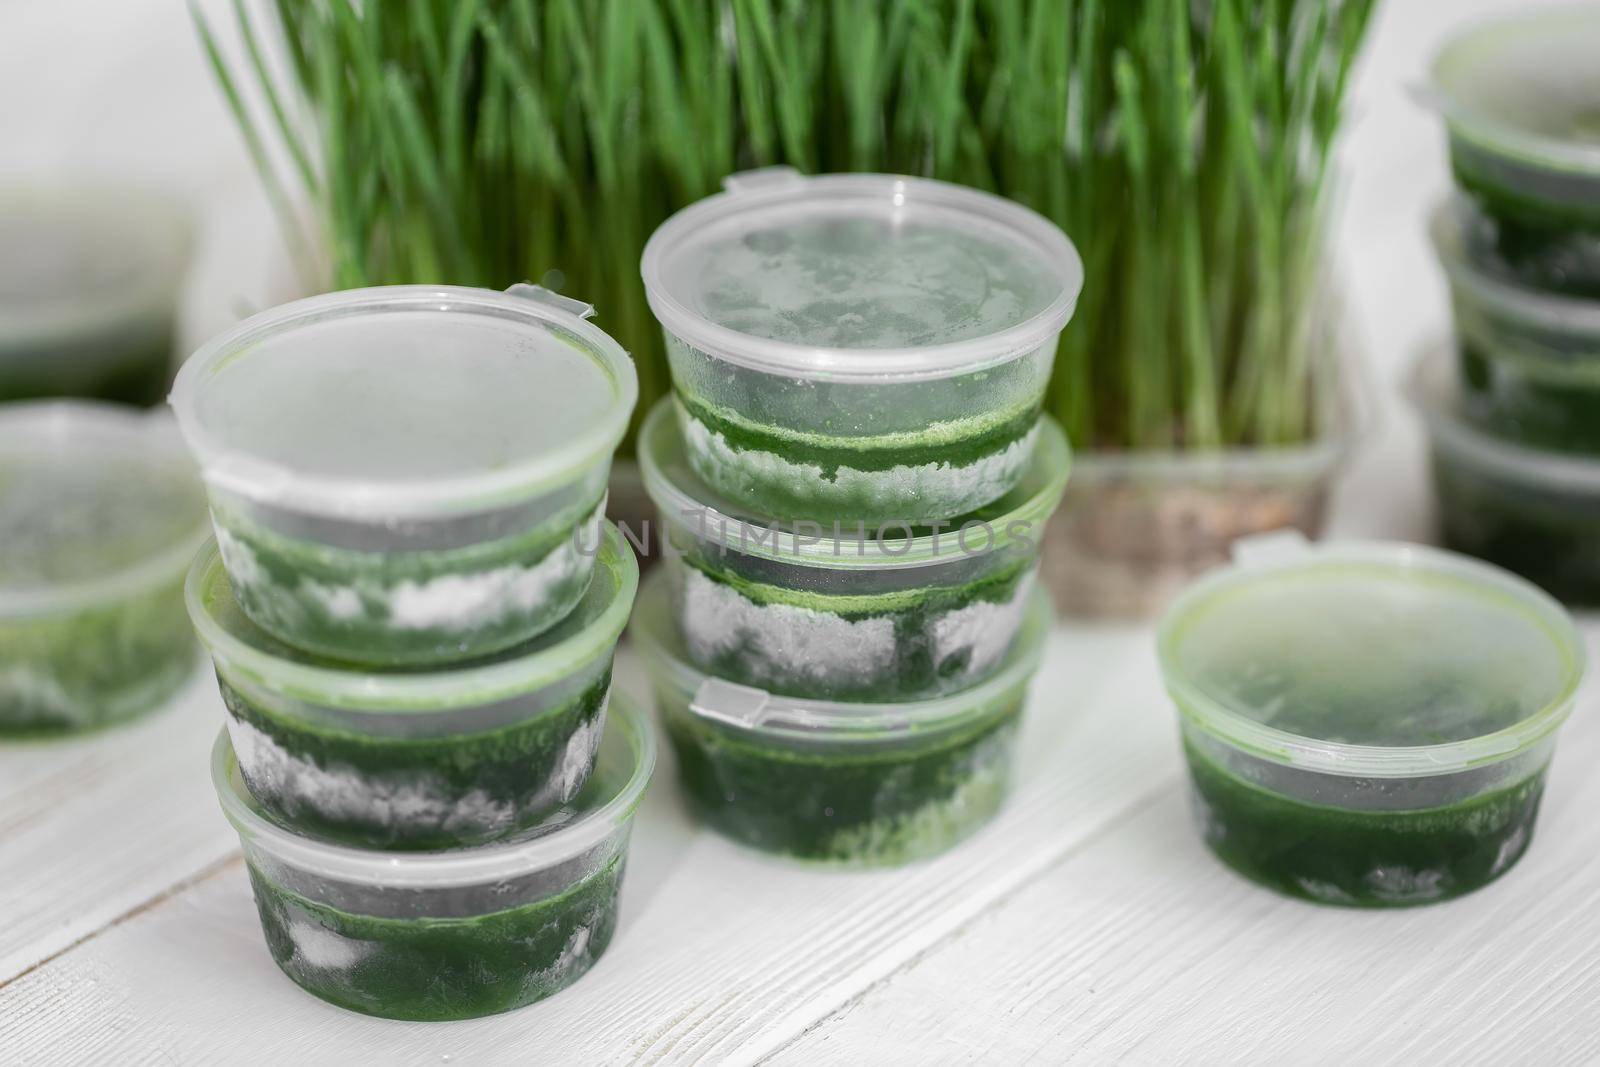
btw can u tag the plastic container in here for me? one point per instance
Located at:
(1368, 724)
(455, 934)
(1530, 362)
(406, 475)
(417, 759)
(1533, 512)
(859, 347)
(1136, 528)
(863, 784)
(838, 612)
(1518, 95)
(100, 513)
(90, 281)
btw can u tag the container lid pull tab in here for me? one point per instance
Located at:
(731, 703)
(761, 180)
(550, 298)
(1275, 546)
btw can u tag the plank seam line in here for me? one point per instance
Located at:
(1139, 805)
(211, 870)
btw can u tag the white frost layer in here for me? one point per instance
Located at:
(574, 959)
(780, 641)
(420, 799)
(982, 629)
(459, 602)
(404, 800)
(912, 493)
(577, 760)
(783, 643)
(322, 949)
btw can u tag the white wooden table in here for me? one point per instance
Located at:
(1087, 924)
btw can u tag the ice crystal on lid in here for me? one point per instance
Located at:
(870, 282)
(406, 394)
(78, 514)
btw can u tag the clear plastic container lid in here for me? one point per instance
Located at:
(83, 258)
(1434, 392)
(406, 401)
(1370, 659)
(860, 276)
(97, 501)
(626, 757)
(747, 707)
(589, 631)
(1528, 86)
(683, 497)
(1550, 313)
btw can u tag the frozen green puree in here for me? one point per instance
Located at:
(1369, 858)
(74, 523)
(347, 603)
(899, 643)
(1548, 534)
(795, 439)
(422, 792)
(883, 800)
(1539, 232)
(440, 968)
(1522, 98)
(1542, 411)
(417, 759)
(98, 368)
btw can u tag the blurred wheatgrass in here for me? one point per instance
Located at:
(1183, 145)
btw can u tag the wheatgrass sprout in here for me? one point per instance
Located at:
(1183, 144)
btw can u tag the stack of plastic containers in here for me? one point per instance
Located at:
(1515, 415)
(852, 475)
(412, 608)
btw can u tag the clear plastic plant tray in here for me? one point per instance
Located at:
(422, 758)
(100, 513)
(860, 346)
(1368, 724)
(452, 934)
(407, 475)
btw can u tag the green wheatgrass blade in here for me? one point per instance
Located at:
(1210, 175)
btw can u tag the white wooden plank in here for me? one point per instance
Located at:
(1142, 947)
(722, 955)
(93, 827)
